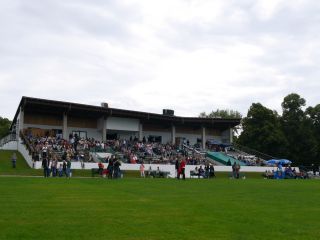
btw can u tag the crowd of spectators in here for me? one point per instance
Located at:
(131, 151)
(288, 172)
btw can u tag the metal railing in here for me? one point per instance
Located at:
(8, 138)
(252, 152)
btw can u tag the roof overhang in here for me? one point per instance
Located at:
(36, 105)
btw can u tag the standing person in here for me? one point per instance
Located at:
(14, 160)
(177, 168)
(206, 169)
(60, 170)
(182, 169)
(45, 166)
(68, 168)
(211, 170)
(64, 167)
(238, 171)
(54, 166)
(234, 166)
(45, 150)
(116, 166)
(142, 170)
(101, 167)
(110, 167)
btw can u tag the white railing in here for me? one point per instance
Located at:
(7, 139)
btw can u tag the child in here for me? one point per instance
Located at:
(60, 170)
(142, 170)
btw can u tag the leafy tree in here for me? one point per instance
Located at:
(313, 114)
(298, 128)
(262, 131)
(4, 127)
(221, 113)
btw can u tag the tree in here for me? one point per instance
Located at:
(313, 114)
(220, 113)
(295, 135)
(262, 131)
(4, 127)
(298, 128)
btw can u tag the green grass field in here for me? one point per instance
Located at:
(132, 208)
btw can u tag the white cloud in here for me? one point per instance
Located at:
(191, 56)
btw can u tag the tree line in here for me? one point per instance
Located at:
(294, 135)
(4, 127)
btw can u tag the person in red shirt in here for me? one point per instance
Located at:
(101, 167)
(182, 169)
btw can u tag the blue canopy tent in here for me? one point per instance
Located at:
(272, 161)
(285, 161)
(277, 161)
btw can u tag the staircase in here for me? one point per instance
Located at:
(223, 159)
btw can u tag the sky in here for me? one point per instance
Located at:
(191, 56)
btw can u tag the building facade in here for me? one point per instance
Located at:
(42, 116)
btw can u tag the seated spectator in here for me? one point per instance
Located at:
(196, 171)
(201, 172)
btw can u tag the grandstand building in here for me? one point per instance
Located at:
(42, 116)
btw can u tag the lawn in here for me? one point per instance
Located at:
(133, 208)
(82, 208)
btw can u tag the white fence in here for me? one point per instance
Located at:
(166, 168)
(14, 145)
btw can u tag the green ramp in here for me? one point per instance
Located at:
(223, 159)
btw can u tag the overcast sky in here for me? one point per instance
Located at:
(187, 55)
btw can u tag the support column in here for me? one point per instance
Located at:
(104, 129)
(231, 135)
(21, 122)
(203, 137)
(65, 126)
(140, 132)
(173, 134)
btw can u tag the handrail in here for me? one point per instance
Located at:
(192, 149)
(253, 152)
(10, 137)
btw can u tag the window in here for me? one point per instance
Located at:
(80, 134)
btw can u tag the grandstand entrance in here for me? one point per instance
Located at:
(155, 139)
(119, 134)
(112, 136)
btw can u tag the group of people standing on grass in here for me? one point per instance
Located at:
(113, 168)
(206, 172)
(51, 168)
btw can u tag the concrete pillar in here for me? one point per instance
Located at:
(140, 132)
(173, 134)
(104, 129)
(203, 137)
(21, 122)
(65, 126)
(231, 135)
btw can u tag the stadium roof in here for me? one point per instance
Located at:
(37, 105)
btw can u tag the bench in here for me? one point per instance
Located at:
(193, 174)
(95, 171)
(158, 174)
